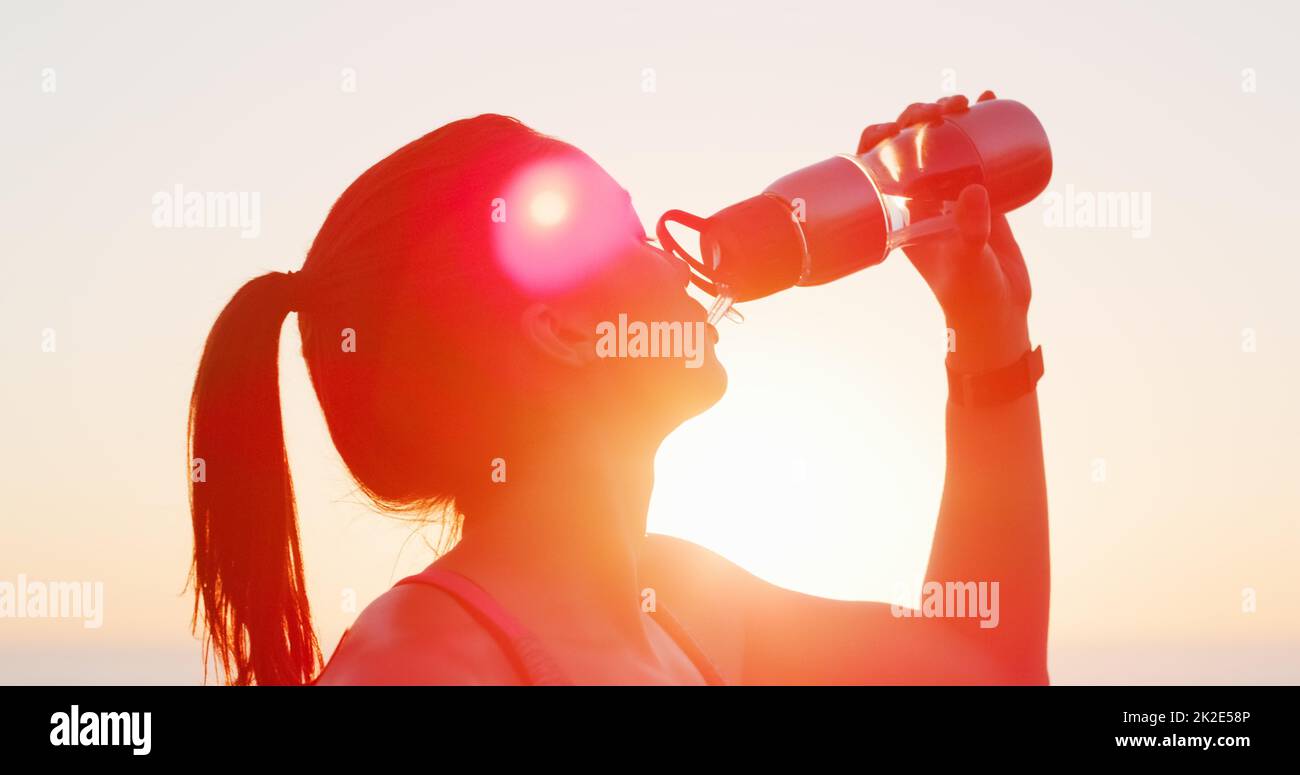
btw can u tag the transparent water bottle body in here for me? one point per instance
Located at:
(919, 173)
(932, 162)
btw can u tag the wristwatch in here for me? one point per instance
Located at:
(999, 385)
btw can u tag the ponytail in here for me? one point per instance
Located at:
(247, 571)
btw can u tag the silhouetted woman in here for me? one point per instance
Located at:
(449, 311)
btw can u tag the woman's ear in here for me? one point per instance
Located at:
(562, 338)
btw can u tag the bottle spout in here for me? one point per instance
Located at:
(722, 307)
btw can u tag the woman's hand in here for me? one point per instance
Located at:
(977, 274)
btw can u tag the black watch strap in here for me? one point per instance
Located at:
(999, 385)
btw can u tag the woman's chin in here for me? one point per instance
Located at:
(709, 383)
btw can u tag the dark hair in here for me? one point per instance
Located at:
(401, 266)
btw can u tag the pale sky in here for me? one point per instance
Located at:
(1167, 405)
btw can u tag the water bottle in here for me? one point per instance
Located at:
(848, 212)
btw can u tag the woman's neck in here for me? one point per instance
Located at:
(562, 534)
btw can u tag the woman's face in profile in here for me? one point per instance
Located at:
(609, 302)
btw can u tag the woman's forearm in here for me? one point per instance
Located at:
(992, 530)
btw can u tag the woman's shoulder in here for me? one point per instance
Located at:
(417, 634)
(703, 590)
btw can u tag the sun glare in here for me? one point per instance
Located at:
(548, 208)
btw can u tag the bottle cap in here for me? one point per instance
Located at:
(753, 248)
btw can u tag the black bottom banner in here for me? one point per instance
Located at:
(208, 725)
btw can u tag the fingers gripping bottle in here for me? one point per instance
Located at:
(848, 212)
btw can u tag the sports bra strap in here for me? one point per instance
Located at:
(526, 653)
(687, 644)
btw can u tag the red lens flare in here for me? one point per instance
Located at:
(559, 222)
